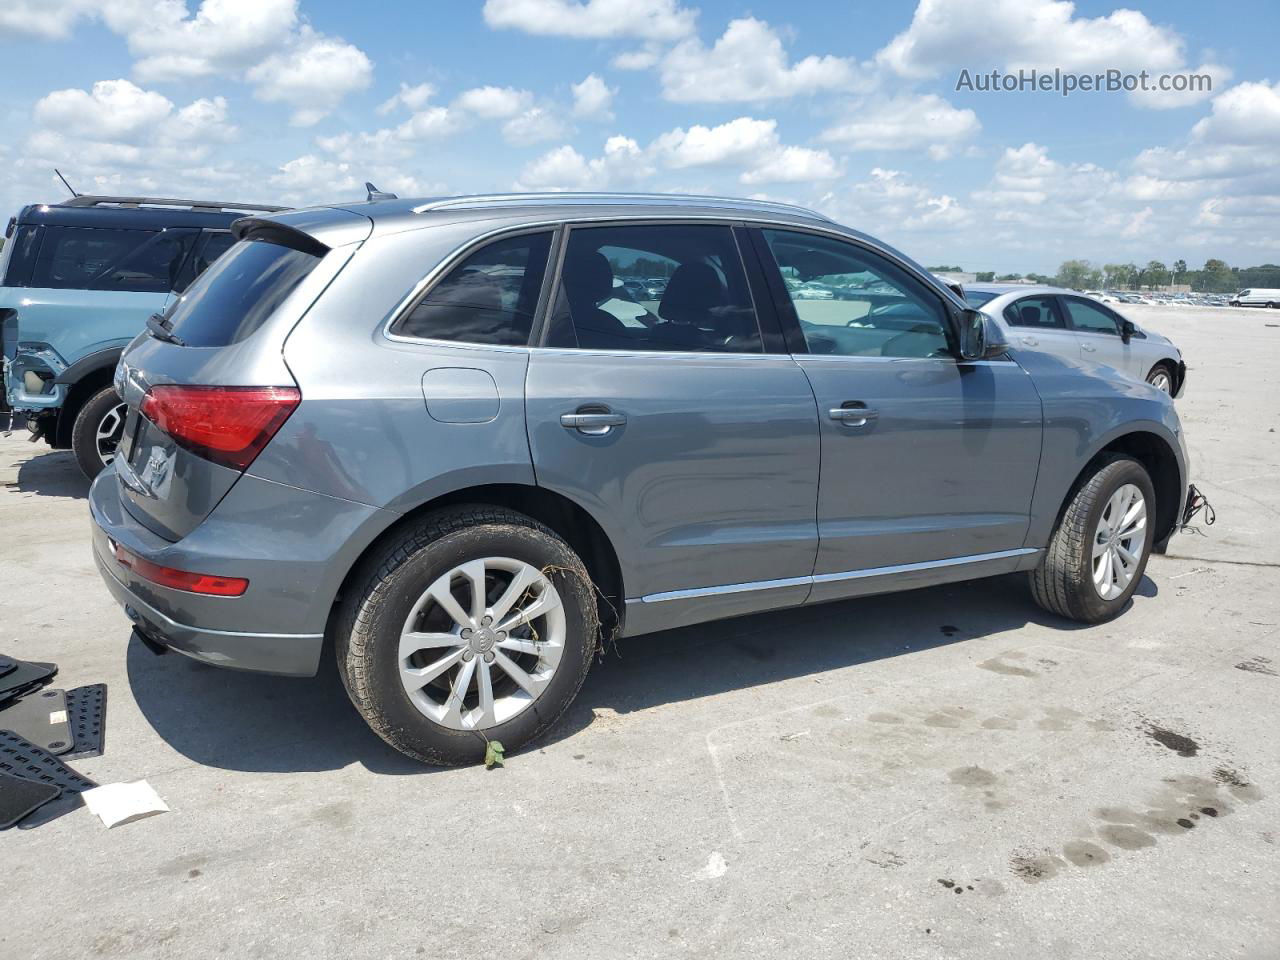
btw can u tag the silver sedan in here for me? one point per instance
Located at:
(1077, 327)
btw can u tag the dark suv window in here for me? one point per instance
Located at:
(92, 258)
(237, 294)
(489, 298)
(701, 302)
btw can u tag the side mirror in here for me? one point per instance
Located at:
(1127, 330)
(980, 337)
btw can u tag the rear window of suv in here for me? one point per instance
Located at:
(237, 294)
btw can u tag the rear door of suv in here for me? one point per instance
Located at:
(680, 422)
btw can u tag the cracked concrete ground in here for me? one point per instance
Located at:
(945, 773)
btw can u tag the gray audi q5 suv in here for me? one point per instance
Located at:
(453, 436)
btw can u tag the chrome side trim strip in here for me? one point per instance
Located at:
(833, 577)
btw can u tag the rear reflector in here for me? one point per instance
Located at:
(206, 583)
(228, 425)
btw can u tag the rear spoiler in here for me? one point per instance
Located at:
(273, 231)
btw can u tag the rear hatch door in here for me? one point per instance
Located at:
(207, 384)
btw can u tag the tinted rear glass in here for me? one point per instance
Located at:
(237, 294)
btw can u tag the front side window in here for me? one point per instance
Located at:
(489, 298)
(1035, 312)
(852, 302)
(654, 288)
(93, 258)
(1090, 318)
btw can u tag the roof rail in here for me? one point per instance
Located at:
(515, 199)
(92, 201)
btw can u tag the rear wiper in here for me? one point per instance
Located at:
(156, 327)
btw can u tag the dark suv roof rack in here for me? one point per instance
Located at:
(131, 202)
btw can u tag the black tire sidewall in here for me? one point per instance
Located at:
(84, 432)
(1158, 369)
(1119, 472)
(405, 726)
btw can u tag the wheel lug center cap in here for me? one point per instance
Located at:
(482, 640)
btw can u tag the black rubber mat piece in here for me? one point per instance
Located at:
(41, 718)
(20, 796)
(26, 677)
(21, 758)
(87, 714)
(7, 665)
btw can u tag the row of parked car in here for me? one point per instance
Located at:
(1178, 299)
(448, 440)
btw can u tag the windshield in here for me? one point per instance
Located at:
(976, 298)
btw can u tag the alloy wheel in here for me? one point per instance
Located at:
(1118, 541)
(109, 432)
(1161, 381)
(482, 643)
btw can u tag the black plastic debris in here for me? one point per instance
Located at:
(20, 796)
(40, 717)
(21, 758)
(7, 665)
(87, 715)
(25, 677)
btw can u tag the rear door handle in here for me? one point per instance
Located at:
(853, 413)
(1031, 341)
(1088, 348)
(593, 424)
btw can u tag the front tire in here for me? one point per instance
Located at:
(475, 624)
(1161, 377)
(1099, 550)
(96, 433)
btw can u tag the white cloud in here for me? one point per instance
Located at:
(493, 103)
(202, 120)
(793, 165)
(413, 97)
(748, 62)
(312, 76)
(535, 125)
(112, 109)
(46, 19)
(564, 168)
(908, 122)
(592, 98)
(736, 141)
(1247, 114)
(1219, 76)
(654, 19)
(1026, 33)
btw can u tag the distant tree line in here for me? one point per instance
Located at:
(1215, 277)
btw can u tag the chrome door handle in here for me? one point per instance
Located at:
(1031, 341)
(853, 416)
(592, 424)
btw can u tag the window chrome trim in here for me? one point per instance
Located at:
(731, 588)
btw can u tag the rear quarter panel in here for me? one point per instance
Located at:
(77, 323)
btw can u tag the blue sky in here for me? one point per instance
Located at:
(848, 108)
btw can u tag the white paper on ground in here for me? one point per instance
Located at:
(118, 803)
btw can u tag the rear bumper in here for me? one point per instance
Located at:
(294, 547)
(294, 655)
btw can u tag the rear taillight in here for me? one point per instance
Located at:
(228, 425)
(206, 583)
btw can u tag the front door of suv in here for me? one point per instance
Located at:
(928, 464)
(678, 422)
(1097, 330)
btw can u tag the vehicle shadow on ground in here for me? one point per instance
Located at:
(252, 722)
(53, 474)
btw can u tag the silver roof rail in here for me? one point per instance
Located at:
(93, 201)
(516, 199)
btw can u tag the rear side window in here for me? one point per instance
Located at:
(489, 298)
(21, 249)
(237, 294)
(1034, 312)
(92, 258)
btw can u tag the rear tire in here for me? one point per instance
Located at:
(1067, 580)
(96, 434)
(392, 609)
